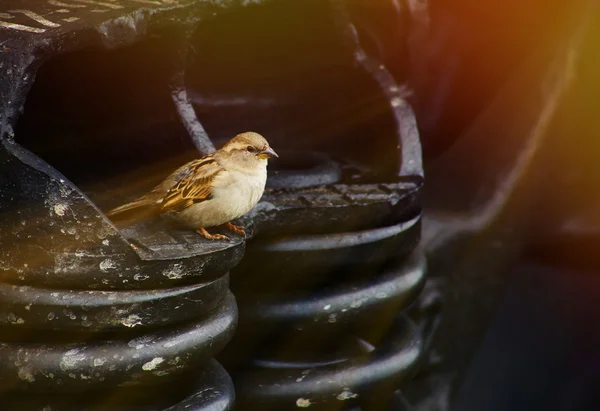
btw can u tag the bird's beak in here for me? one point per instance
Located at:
(268, 153)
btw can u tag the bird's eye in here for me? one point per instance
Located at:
(251, 149)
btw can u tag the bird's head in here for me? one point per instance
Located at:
(247, 150)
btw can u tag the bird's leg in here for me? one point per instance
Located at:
(238, 229)
(202, 231)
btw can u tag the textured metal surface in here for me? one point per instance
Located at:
(317, 215)
(306, 335)
(279, 386)
(44, 308)
(90, 319)
(302, 170)
(324, 261)
(338, 305)
(335, 208)
(140, 359)
(209, 389)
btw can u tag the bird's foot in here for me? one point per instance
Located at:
(202, 231)
(238, 229)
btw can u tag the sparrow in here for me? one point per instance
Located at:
(212, 190)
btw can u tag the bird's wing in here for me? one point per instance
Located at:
(195, 185)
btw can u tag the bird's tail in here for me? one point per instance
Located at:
(137, 209)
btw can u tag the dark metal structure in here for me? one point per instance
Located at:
(352, 264)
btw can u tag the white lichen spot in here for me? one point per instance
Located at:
(380, 295)
(396, 101)
(68, 313)
(175, 272)
(175, 361)
(51, 316)
(140, 342)
(60, 209)
(170, 344)
(13, 319)
(140, 277)
(70, 359)
(150, 365)
(346, 395)
(105, 242)
(25, 374)
(303, 376)
(327, 307)
(303, 403)
(99, 361)
(358, 303)
(332, 318)
(107, 265)
(132, 320)
(28, 307)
